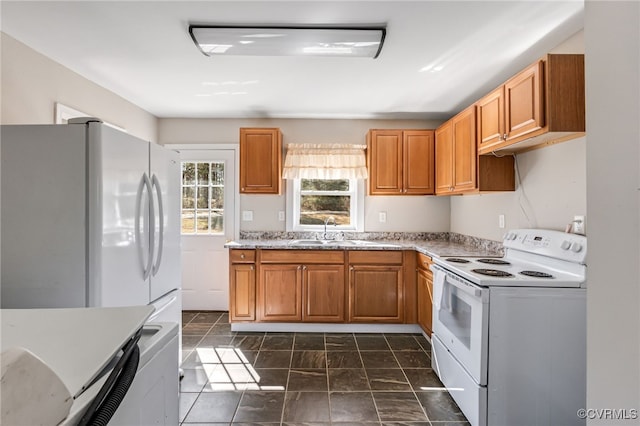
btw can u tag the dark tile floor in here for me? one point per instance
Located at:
(307, 378)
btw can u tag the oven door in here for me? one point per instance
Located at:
(460, 320)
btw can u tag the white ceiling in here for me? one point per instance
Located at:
(142, 51)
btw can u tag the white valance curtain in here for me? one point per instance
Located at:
(325, 161)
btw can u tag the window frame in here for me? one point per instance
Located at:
(210, 185)
(356, 192)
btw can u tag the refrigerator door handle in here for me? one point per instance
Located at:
(152, 226)
(145, 183)
(156, 183)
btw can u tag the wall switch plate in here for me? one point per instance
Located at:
(281, 216)
(501, 220)
(247, 215)
(579, 225)
(382, 217)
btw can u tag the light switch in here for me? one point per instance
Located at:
(247, 215)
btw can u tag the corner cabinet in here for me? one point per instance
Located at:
(425, 292)
(376, 286)
(242, 285)
(543, 104)
(260, 161)
(400, 162)
(459, 168)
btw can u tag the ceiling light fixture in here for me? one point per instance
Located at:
(288, 40)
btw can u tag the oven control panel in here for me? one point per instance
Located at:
(556, 244)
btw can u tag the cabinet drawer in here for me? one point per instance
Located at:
(377, 257)
(302, 256)
(423, 261)
(242, 256)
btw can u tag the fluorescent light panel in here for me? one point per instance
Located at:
(288, 41)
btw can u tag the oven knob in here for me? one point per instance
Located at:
(576, 248)
(565, 245)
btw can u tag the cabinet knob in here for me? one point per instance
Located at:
(504, 137)
(242, 256)
(251, 268)
(304, 268)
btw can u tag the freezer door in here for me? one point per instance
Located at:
(118, 218)
(165, 178)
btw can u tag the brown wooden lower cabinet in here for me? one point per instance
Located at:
(280, 293)
(323, 293)
(243, 293)
(425, 292)
(311, 286)
(376, 293)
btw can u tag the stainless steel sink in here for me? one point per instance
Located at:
(345, 243)
(310, 242)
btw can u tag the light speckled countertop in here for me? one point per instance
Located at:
(438, 247)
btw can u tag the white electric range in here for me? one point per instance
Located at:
(509, 334)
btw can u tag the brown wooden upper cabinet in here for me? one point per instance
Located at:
(260, 161)
(459, 169)
(544, 103)
(401, 162)
(456, 153)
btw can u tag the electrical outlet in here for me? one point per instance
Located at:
(247, 215)
(281, 216)
(501, 220)
(382, 217)
(579, 225)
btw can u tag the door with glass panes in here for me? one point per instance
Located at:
(207, 215)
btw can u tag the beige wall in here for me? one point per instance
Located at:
(408, 214)
(552, 190)
(33, 83)
(613, 180)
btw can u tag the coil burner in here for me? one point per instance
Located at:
(493, 273)
(536, 274)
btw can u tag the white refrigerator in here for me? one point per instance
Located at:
(90, 218)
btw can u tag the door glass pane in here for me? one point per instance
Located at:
(203, 173)
(188, 197)
(217, 174)
(217, 221)
(455, 314)
(217, 198)
(202, 222)
(188, 222)
(315, 209)
(203, 197)
(188, 173)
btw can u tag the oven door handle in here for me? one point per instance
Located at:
(459, 283)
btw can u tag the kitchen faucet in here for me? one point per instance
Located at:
(326, 222)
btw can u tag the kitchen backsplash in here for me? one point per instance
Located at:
(468, 240)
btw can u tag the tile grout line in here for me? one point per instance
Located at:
(424, 411)
(366, 375)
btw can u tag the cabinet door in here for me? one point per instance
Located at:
(323, 293)
(242, 293)
(444, 159)
(260, 161)
(418, 162)
(425, 300)
(279, 293)
(490, 110)
(384, 155)
(524, 101)
(464, 150)
(376, 294)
